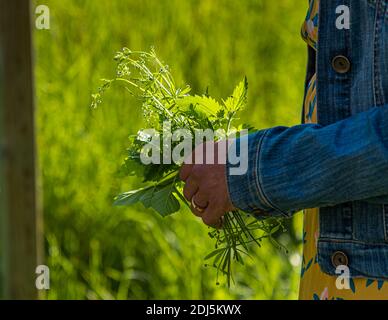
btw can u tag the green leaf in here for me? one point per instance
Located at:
(238, 100)
(217, 259)
(132, 167)
(214, 253)
(204, 104)
(146, 198)
(160, 198)
(130, 197)
(156, 172)
(164, 201)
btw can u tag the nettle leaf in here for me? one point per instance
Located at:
(183, 92)
(238, 100)
(204, 104)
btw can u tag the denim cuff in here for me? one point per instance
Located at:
(245, 190)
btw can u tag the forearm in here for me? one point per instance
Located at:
(310, 166)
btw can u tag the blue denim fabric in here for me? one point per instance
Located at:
(341, 164)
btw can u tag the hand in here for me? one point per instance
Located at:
(206, 185)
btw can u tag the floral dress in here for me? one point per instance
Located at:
(314, 283)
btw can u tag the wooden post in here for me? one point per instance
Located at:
(19, 219)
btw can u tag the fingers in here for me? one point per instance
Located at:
(199, 203)
(212, 216)
(219, 224)
(210, 212)
(190, 188)
(205, 184)
(201, 199)
(185, 171)
(196, 211)
(187, 167)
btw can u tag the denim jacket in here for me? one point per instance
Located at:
(341, 164)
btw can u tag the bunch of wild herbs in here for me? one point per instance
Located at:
(148, 79)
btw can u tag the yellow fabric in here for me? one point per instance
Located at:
(314, 283)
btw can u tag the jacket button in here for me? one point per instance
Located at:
(339, 259)
(341, 64)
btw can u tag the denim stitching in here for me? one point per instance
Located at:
(259, 181)
(374, 54)
(228, 177)
(251, 186)
(385, 222)
(256, 171)
(379, 99)
(372, 3)
(366, 243)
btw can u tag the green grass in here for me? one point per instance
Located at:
(96, 251)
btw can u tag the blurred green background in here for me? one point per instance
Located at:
(96, 251)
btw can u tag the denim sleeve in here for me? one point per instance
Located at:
(310, 166)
